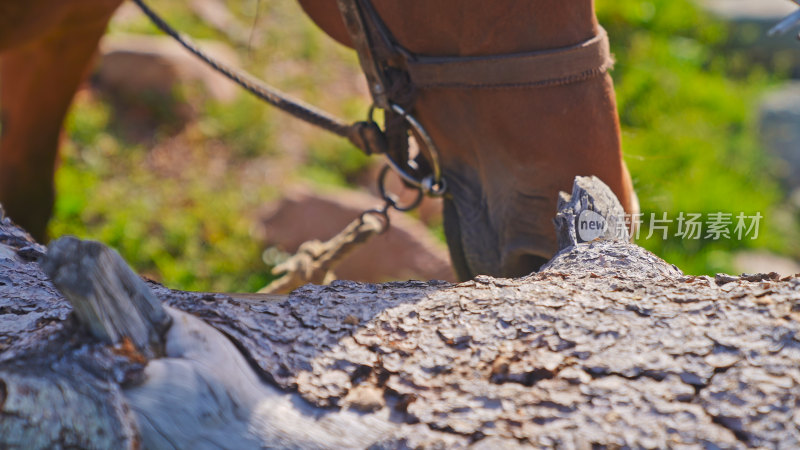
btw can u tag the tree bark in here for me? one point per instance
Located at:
(607, 345)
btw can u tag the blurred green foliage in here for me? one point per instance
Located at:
(688, 137)
(689, 130)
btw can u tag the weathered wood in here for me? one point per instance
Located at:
(206, 395)
(591, 201)
(108, 298)
(607, 346)
(57, 389)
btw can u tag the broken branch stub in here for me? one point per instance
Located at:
(591, 212)
(108, 298)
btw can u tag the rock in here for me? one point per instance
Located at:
(406, 251)
(126, 14)
(153, 84)
(779, 126)
(767, 11)
(764, 262)
(217, 14)
(749, 23)
(137, 63)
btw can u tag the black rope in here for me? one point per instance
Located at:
(265, 92)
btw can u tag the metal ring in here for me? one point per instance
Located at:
(382, 214)
(391, 199)
(433, 154)
(433, 188)
(371, 113)
(433, 185)
(401, 172)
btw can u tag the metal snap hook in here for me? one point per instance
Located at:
(391, 199)
(434, 188)
(382, 214)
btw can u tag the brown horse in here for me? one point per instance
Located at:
(45, 50)
(505, 152)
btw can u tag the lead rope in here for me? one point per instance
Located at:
(315, 260)
(361, 134)
(365, 135)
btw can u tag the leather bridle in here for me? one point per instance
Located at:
(395, 75)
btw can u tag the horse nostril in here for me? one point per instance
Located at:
(522, 264)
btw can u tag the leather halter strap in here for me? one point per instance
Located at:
(533, 69)
(394, 75)
(377, 51)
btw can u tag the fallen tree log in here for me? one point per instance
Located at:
(607, 345)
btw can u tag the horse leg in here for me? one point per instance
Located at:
(39, 80)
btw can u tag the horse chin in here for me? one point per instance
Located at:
(452, 231)
(521, 262)
(474, 250)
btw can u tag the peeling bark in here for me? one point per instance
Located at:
(607, 345)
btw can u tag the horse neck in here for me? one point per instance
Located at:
(480, 27)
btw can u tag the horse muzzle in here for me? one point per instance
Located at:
(477, 248)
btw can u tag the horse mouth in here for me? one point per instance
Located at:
(452, 232)
(473, 253)
(522, 264)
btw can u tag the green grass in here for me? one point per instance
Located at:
(180, 206)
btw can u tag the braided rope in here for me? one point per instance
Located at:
(251, 84)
